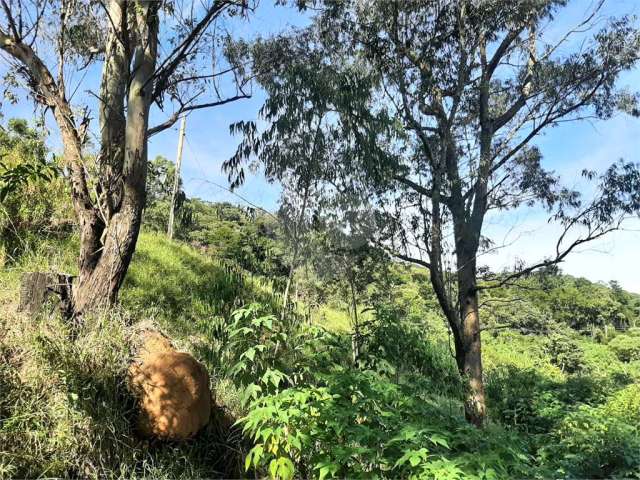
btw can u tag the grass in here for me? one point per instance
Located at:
(68, 412)
(49, 255)
(65, 410)
(176, 284)
(332, 319)
(53, 423)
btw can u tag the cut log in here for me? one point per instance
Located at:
(40, 288)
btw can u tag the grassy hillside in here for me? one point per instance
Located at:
(561, 403)
(64, 408)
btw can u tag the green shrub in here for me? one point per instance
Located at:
(564, 352)
(633, 332)
(397, 347)
(256, 350)
(520, 351)
(262, 354)
(27, 171)
(523, 398)
(626, 347)
(599, 442)
(310, 417)
(359, 424)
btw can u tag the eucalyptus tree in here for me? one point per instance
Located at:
(296, 216)
(169, 56)
(438, 104)
(343, 257)
(292, 148)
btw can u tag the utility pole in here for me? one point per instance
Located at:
(176, 178)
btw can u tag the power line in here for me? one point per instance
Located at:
(205, 179)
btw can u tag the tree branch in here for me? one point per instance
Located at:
(174, 118)
(46, 92)
(409, 259)
(560, 256)
(502, 50)
(181, 51)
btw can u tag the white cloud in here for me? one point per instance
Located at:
(531, 238)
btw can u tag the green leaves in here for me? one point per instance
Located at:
(13, 178)
(253, 343)
(599, 441)
(253, 457)
(626, 347)
(327, 420)
(23, 158)
(34, 200)
(326, 469)
(251, 392)
(273, 377)
(356, 424)
(414, 457)
(281, 468)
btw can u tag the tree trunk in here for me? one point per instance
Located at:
(468, 346)
(98, 285)
(108, 216)
(355, 337)
(102, 270)
(285, 298)
(37, 287)
(296, 248)
(463, 319)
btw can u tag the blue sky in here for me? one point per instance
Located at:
(567, 150)
(208, 140)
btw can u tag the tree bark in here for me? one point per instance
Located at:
(355, 337)
(98, 286)
(287, 289)
(37, 287)
(469, 348)
(99, 281)
(464, 320)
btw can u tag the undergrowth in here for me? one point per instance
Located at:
(560, 406)
(65, 410)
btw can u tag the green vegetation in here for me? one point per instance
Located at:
(562, 359)
(413, 123)
(562, 401)
(65, 409)
(27, 171)
(627, 347)
(355, 332)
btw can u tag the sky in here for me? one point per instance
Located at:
(567, 150)
(526, 233)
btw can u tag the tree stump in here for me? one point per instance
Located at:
(38, 288)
